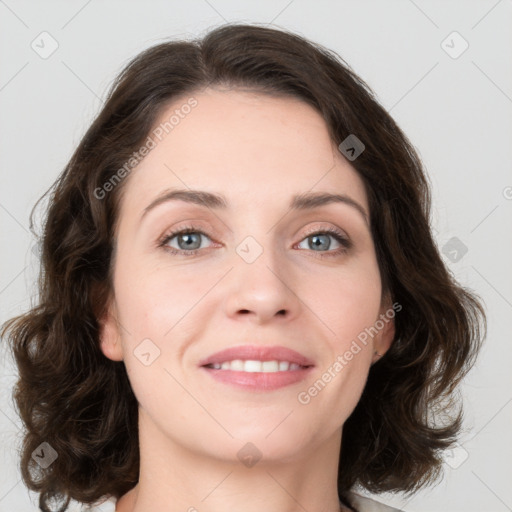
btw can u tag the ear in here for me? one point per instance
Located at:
(382, 341)
(110, 334)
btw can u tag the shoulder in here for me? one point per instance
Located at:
(368, 505)
(108, 505)
(363, 505)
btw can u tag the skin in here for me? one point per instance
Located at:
(257, 151)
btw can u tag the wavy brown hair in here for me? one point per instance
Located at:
(80, 402)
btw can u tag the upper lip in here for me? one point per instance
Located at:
(257, 353)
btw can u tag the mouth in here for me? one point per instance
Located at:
(257, 368)
(253, 366)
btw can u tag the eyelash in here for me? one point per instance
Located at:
(345, 243)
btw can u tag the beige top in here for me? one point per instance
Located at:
(367, 505)
(362, 504)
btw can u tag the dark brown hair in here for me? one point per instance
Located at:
(80, 402)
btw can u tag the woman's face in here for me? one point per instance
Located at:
(256, 271)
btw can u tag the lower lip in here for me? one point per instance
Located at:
(259, 381)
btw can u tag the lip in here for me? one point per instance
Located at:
(258, 381)
(257, 353)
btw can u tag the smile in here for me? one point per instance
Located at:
(256, 366)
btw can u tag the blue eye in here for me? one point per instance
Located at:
(320, 242)
(189, 240)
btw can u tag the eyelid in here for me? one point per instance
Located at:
(341, 237)
(328, 229)
(174, 232)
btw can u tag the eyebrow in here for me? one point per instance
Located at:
(305, 201)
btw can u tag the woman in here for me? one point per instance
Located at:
(242, 306)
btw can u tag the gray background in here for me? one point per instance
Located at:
(456, 111)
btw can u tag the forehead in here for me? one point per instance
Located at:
(251, 147)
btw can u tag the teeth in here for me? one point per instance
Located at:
(236, 365)
(256, 366)
(253, 366)
(270, 366)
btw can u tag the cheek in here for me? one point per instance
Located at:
(154, 307)
(347, 301)
(158, 309)
(153, 299)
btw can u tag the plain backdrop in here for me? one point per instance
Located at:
(441, 68)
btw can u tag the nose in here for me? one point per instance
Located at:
(261, 291)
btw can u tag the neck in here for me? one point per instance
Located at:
(175, 478)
